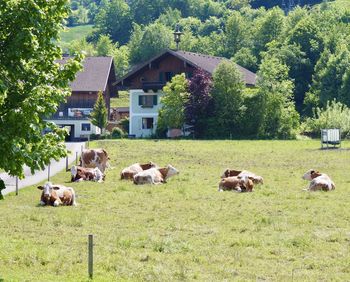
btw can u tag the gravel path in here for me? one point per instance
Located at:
(39, 176)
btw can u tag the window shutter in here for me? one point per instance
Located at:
(155, 99)
(161, 77)
(140, 100)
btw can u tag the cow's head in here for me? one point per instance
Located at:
(47, 190)
(257, 180)
(171, 171)
(99, 176)
(311, 174)
(226, 173)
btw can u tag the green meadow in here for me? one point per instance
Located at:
(75, 33)
(186, 230)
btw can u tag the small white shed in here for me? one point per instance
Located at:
(330, 136)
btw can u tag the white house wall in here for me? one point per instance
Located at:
(78, 133)
(137, 113)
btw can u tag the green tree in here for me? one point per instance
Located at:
(154, 39)
(121, 60)
(279, 119)
(104, 46)
(227, 93)
(99, 114)
(267, 28)
(114, 19)
(32, 83)
(237, 30)
(172, 113)
(81, 46)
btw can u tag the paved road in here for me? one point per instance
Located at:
(38, 176)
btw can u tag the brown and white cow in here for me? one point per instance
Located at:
(130, 171)
(83, 173)
(92, 158)
(318, 181)
(237, 184)
(56, 194)
(155, 175)
(240, 173)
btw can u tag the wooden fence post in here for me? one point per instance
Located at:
(76, 158)
(91, 257)
(48, 172)
(67, 163)
(16, 185)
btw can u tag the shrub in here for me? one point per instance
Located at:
(106, 135)
(125, 124)
(117, 133)
(335, 115)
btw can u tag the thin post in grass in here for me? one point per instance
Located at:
(88, 144)
(91, 256)
(16, 185)
(76, 158)
(67, 163)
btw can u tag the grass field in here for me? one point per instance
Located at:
(185, 229)
(121, 101)
(75, 33)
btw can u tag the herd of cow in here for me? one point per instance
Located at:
(93, 163)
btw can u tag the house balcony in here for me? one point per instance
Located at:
(153, 85)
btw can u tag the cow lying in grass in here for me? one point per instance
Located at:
(236, 184)
(130, 171)
(318, 181)
(56, 194)
(155, 175)
(91, 158)
(82, 173)
(240, 173)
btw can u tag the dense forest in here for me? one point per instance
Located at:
(309, 44)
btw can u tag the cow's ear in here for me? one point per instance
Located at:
(41, 187)
(55, 187)
(312, 171)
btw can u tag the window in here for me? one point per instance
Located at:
(148, 101)
(147, 123)
(85, 127)
(188, 75)
(168, 76)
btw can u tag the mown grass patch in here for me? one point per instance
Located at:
(121, 101)
(75, 33)
(185, 229)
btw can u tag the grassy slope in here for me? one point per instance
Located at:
(75, 33)
(122, 101)
(185, 229)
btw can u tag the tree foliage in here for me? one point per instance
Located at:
(99, 115)
(114, 19)
(32, 83)
(199, 104)
(228, 99)
(172, 113)
(279, 119)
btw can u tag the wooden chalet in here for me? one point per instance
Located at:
(145, 82)
(98, 74)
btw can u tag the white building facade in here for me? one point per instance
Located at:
(144, 107)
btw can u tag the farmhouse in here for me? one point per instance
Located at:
(146, 81)
(98, 74)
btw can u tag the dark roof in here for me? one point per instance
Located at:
(122, 109)
(94, 76)
(205, 62)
